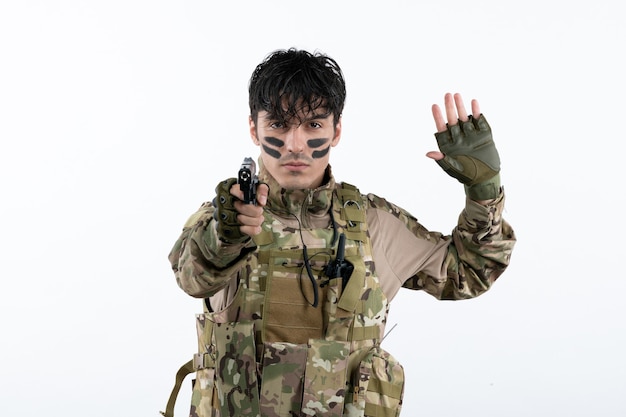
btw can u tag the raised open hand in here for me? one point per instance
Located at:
(455, 112)
(466, 148)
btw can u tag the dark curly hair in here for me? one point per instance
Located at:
(289, 82)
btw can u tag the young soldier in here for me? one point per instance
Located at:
(297, 282)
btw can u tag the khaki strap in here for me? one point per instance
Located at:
(375, 410)
(203, 361)
(264, 257)
(365, 333)
(184, 370)
(385, 388)
(353, 213)
(360, 235)
(350, 191)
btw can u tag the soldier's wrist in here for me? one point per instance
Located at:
(486, 190)
(231, 235)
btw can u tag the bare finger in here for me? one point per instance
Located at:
(436, 155)
(460, 107)
(235, 190)
(475, 109)
(450, 109)
(440, 123)
(262, 192)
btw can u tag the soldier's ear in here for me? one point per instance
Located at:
(337, 135)
(253, 131)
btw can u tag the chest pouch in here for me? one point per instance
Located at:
(376, 385)
(288, 313)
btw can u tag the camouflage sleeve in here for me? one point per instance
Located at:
(478, 253)
(201, 262)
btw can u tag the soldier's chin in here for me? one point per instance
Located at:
(294, 181)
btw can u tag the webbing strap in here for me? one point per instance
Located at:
(203, 361)
(365, 333)
(352, 235)
(184, 370)
(375, 410)
(385, 388)
(351, 211)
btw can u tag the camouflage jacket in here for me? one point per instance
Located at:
(263, 307)
(461, 265)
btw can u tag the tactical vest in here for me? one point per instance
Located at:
(288, 346)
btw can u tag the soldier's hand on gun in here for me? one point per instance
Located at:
(236, 220)
(250, 216)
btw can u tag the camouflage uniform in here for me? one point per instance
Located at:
(266, 350)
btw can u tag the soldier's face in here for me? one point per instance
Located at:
(296, 152)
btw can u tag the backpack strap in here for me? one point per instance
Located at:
(184, 370)
(352, 211)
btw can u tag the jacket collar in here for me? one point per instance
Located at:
(298, 202)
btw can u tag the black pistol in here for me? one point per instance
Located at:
(248, 180)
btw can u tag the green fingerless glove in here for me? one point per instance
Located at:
(471, 157)
(225, 214)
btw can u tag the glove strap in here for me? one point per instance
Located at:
(486, 190)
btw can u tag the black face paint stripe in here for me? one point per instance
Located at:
(271, 152)
(316, 143)
(274, 141)
(320, 154)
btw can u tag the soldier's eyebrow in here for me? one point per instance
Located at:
(316, 143)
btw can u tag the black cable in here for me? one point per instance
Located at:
(307, 262)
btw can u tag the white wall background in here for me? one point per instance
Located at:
(117, 119)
